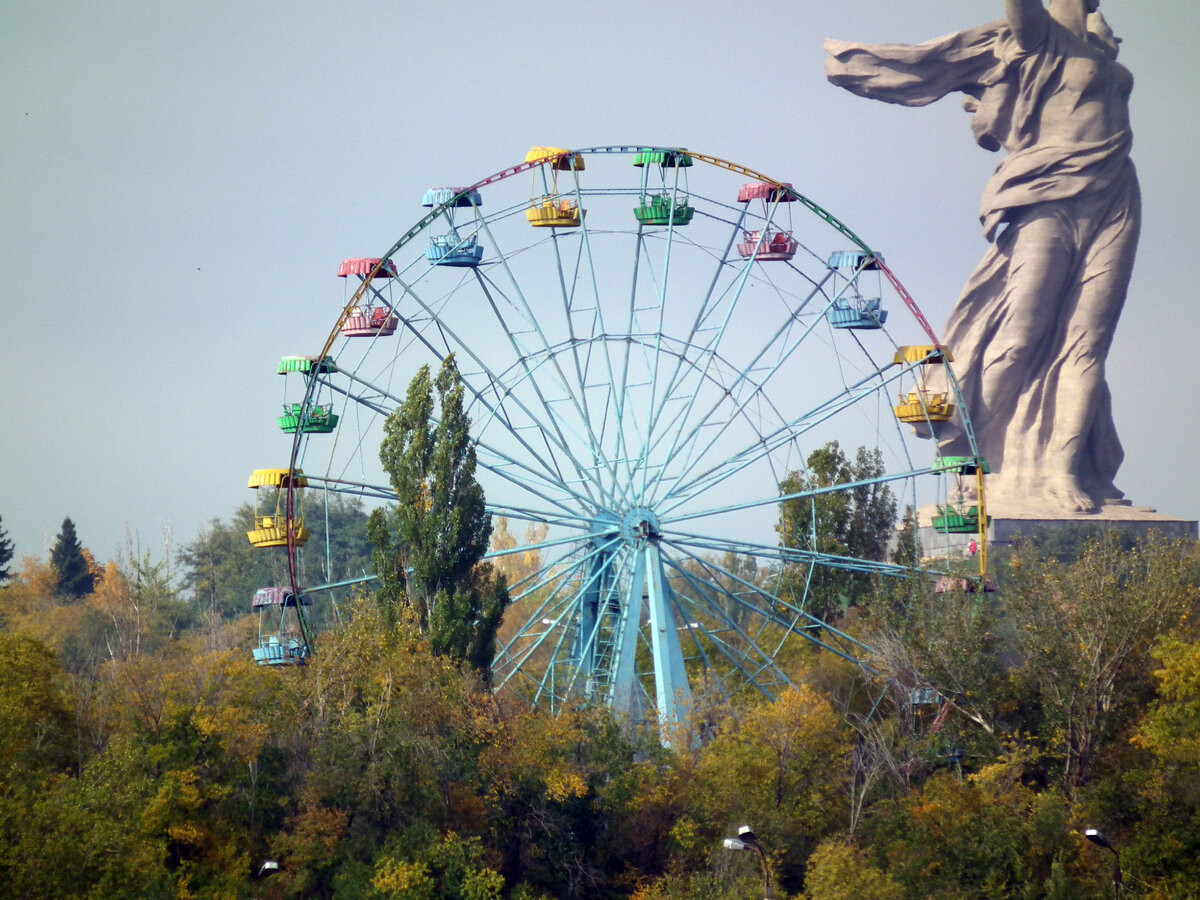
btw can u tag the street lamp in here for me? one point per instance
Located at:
(1099, 840)
(747, 841)
(270, 867)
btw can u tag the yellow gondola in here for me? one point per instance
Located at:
(271, 529)
(550, 210)
(923, 405)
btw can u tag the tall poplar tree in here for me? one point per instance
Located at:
(75, 577)
(6, 553)
(428, 550)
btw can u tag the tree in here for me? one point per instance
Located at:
(838, 870)
(782, 766)
(1086, 631)
(6, 553)
(988, 836)
(855, 522)
(518, 564)
(223, 569)
(75, 578)
(428, 549)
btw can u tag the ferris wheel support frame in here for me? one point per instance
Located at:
(634, 548)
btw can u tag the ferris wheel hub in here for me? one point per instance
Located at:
(639, 524)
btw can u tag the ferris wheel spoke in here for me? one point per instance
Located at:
(554, 574)
(539, 625)
(811, 628)
(661, 285)
(573, 542)
(584, 263)
(788, 555)
(871, 383)
(542, 484)
(551, 518)
(787, 346)
(623, 419)
(531, 362)
(688, 440)
(541, 348)
(683, 361)
(765, 445)
(353, 488)
(454, 342)
(745, 658)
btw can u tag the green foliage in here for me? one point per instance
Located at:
(137, 758)
(35, 715)
(991, 836)
(1085, 632)
(70, 562)
(222, 569)
(6, 554)
(854, 523)
(427, 551)
(446, 869)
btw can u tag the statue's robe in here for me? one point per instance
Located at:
(1089, 191)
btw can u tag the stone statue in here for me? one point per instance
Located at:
(1032, 329)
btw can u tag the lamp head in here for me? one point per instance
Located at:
(1098, 839)
(734, 844)
(747, 835)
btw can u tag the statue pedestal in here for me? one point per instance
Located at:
(1008, 521)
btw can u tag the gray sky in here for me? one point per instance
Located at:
(180, 179)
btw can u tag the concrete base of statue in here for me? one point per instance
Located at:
(1009, 520)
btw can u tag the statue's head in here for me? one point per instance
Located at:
(1100, 33)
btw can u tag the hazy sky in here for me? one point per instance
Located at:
(180, 179)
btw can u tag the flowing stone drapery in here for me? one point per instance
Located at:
(1032, 329)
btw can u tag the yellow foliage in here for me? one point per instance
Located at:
(518, 566)
(408, 880)
(27, 596)
(562, 784)
(839, 871)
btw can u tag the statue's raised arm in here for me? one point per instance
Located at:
(1035, 322)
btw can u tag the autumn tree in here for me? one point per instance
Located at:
(428, 549)
(1150, 794)
(518, 563)
(1085, 631)
(856, 522)
(75, 578)
(781, 766)
(990, 835)
(838, 870)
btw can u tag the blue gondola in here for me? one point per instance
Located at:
(865, 315)
(282, 627)
(451, 248)
(853, 310)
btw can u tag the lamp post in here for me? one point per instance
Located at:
(1099, 840)
(269, 867)
(746, 840)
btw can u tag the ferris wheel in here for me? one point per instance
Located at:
(651, 341)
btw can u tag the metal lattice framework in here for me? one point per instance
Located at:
(649, 347)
